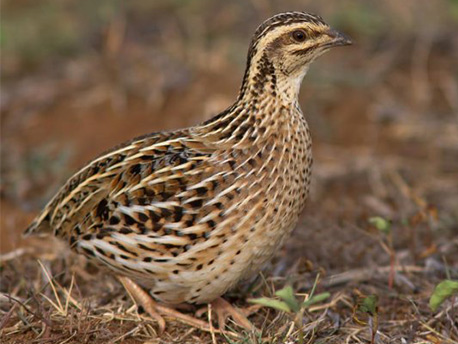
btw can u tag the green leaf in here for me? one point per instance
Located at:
(272, 303)
(287, 295)
(442, 291)
(315, 299)
(381, 224)
(369, 305)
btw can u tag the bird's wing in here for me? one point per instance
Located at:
(156, 204)
(146, 170)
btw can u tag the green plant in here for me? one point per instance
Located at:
(290, 304)
(367, 307)
(386, 241)
(443, 290)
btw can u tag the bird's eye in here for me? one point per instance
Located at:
(299, 35)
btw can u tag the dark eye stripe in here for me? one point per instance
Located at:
(303, 51)
(314, 33)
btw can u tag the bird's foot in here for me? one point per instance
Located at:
(224, 309)
(157, 310)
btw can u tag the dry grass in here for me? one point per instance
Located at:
(383, 114)
(62, 298)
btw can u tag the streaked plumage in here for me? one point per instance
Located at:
(189, 213)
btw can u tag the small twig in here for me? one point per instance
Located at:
(210, 324)
(59, 307)
(69, 338)
(28, 310)
(441, 313)
(186, 335)
(446, 339)
(13, 254)
(135, 329)
(7, 316)
(363, 274)
(450, 312)
(68, 294)
(290, 330)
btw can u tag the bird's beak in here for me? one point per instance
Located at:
(337, 38)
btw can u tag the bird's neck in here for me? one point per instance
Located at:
(267, 103)
(264, 81)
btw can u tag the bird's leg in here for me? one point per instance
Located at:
(139, 296)
(156, 310)
(224, 309)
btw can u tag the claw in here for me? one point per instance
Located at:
(224, 309)
(139, 296)
(156, 310)
(221, 307)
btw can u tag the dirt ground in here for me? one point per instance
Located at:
(78, 78)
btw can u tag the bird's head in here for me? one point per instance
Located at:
(283, 47)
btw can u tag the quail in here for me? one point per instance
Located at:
(188, 213)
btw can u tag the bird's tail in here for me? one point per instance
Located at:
(40, 226)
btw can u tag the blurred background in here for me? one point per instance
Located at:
(79, 76)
